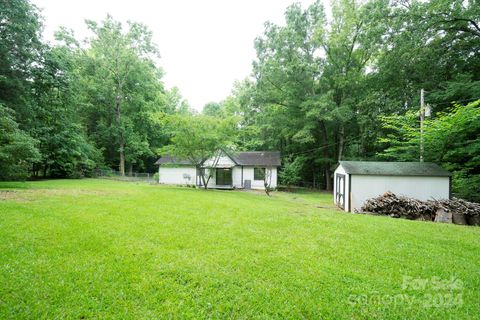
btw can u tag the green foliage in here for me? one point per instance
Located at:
(123, 90)
(17, 148)
(310, 81)
(451, 139)
(318, 89)
(291, 171)
(199, 137)
(320, 86)
(213, 109)
(20, 53)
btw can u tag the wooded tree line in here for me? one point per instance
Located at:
(69, 108)
(321, 90)
(348, 88)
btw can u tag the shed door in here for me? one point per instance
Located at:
(340, 192)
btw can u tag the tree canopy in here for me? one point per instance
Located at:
(320, 90)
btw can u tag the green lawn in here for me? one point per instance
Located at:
(104, 249)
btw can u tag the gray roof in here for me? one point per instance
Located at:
(257, 158)
(168, 159)
(250, 158)
(394, 168)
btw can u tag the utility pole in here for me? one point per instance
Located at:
(422, 118)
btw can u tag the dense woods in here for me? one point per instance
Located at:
(321, 89)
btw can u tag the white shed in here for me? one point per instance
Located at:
(356, 181)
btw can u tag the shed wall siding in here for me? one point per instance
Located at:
(422, 188)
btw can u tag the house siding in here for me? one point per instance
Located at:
(259, 184)
(169, 174)
(223, 162)
(175, 175)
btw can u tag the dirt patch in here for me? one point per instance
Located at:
(35, 194)
(72, 192)
(6, 195)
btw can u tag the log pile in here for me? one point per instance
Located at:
(463, 212)
(460, 206)
(400, 207)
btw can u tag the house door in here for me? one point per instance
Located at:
(340, 190)
(223, 177)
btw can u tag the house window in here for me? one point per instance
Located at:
(258, 174)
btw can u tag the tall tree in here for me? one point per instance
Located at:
(20, 53)
(124, 88)
(310, 75)
(452, 139)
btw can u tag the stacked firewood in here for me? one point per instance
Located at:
(409, 208)
(459, 206)
(400, 207)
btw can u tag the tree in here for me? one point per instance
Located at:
(65, 148)
(123, 89)
(20, 52)
(17, 148)
(267, 180)
(451, 139)
(213, 109)
(310, 76)
(290, 173)
(198, 138)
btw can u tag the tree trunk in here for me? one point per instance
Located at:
(201, 173)
(328, 183)
(267, 181)
(45, 167)
(121, 165)
(34, 170)
(130, 169)
(121, 139)
(341, 142)
(328, 180)
(205, 183)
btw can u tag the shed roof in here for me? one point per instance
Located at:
(378, 168)
(250, 158)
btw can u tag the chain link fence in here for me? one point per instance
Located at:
(129, 176)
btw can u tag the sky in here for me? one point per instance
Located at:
(204, 45)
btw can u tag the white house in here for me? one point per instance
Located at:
(356, 181)
(243, 170)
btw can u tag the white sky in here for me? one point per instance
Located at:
(204, 45)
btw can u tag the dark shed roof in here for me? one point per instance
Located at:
(428, 169)
(250, 158)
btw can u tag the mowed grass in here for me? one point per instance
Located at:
(82, 249)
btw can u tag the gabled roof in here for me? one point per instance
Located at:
(257, 158)
(377, 168)
(168, 159)
(250, 158)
